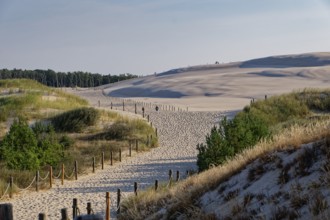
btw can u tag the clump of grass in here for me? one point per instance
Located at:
(231, 195)
(256, 172)
(75, 120)
(318, 205)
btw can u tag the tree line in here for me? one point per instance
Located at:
(62, 79)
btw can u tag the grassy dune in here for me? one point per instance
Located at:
(38, 103)
(296, 118)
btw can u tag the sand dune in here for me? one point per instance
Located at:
(228, 86)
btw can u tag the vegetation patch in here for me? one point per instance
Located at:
(75, 120)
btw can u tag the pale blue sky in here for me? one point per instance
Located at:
(146, 36)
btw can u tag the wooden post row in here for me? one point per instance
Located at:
(76, 170)
(118, 201)
(156, 185)
(89, 208)
(50, 176)
(6, 211)
(137, 145)
(111, 159)
(62, 174)
(102, 160)
(75, 208)
(135, 188)
(42, 216)
(64, 214)
(11, 185)
(107, 212)
(93, 164)
(37, 180)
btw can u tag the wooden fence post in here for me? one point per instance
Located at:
(135, 109)
(135, 188)
(111, 158)
(42, 216)
(130, 149)
(123, 106)
(93, 165)
(156, 185)
(62, 174)
(76, 170)
(102, 160)
(89, 208)
(119, 154)
(11, 185)
(37, 180)
(50, 176)
(156, 131)
(111, 105)
(148, 117)
(118, 201)
(74, 208)
(107, 211)
(6, 211)
(170, 177)
(177, 175)
(137, 145)
(64, 214)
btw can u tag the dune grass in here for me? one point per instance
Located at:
(32, 100)
(297, 118)
(36, 102)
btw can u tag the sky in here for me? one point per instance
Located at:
(146, 36)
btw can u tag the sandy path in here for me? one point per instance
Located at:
(179, 132)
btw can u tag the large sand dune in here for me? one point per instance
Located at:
(228, 86)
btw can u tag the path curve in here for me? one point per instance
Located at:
(179, 132)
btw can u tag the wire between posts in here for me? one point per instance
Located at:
(5, 192)
(42, 179)
(21, 190)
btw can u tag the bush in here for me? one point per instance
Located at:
(119, 131)
(75, 120)
(19, 148)
(216, 150)
(245, 130)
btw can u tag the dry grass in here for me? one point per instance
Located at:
(186, 192)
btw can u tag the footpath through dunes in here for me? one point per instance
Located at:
(178, 131)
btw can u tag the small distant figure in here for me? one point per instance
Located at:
(157, 108)
(216, 62)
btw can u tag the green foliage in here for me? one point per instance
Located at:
(215, 152)
(19, 148)
(24, 148)
(280, 108)
(49, 148)
(75, 120)
(256, 121)
(119, 131)
(230, 138)
(60, 79)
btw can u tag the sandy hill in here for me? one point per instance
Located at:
(228, 86)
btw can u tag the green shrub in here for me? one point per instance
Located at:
(215, 152)
(232, 136)
(119, 131)
(75, 120)
(19, 148)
